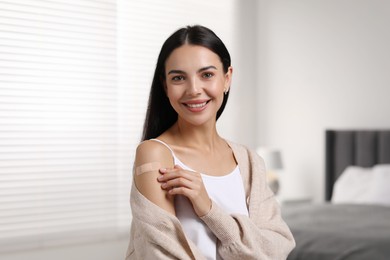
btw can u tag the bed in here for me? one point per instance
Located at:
(350, 227)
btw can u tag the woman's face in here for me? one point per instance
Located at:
(195, 83)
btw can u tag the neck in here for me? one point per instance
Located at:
(203, 137)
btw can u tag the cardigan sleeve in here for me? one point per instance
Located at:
(241, 238)
(156, 244)
(262, 235)
(156, 234)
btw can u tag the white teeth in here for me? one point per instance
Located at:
(197, 105)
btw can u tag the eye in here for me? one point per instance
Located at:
(178, 78)
(207, 75)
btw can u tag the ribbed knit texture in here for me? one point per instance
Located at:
(157, 234)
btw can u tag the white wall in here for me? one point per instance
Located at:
(238, 121)
(322, 64)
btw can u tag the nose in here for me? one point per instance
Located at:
(193, 88)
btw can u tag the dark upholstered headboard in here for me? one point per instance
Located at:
(353, 147)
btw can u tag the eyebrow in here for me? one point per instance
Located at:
(200, 70)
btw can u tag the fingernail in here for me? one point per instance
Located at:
(160, 177)
(164, 185)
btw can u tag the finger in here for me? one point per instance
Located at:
(185, 191)
(178, 167)
(172, 174)
(178, 182)
(167, 170)
(163, 172)
(180, 191)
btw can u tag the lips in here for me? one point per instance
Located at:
(196, 106)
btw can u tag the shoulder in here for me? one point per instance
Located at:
(150, 150)
(150, 157)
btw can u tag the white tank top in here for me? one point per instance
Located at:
(227, 191)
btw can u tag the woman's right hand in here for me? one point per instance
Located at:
(187, 183)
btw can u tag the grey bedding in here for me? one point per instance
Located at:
(331, 231)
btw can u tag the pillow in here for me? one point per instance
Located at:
(380, 185)
(353, 186)
(363, 185)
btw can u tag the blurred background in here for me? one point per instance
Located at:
(74, 84)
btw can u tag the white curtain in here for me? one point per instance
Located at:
(63, 172)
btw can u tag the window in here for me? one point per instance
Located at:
(60, 137)
(74, 83)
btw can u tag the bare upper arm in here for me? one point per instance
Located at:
(151, 153)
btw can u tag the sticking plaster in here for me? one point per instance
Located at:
(147, 167)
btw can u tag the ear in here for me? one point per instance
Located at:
(228, 78)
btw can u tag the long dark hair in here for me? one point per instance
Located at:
(160, 114)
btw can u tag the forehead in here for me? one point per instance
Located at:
(188, 57)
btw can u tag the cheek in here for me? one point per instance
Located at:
(217, 88)
(170, 92)
(173, 95)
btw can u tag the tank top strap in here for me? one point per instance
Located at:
(166, 145)
(175, 159)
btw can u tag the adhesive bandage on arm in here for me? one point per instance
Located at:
(147, 167)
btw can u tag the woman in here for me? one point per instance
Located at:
(196, 195)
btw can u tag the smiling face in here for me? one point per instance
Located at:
(195, 83)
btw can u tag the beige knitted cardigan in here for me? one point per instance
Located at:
(157, 234)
